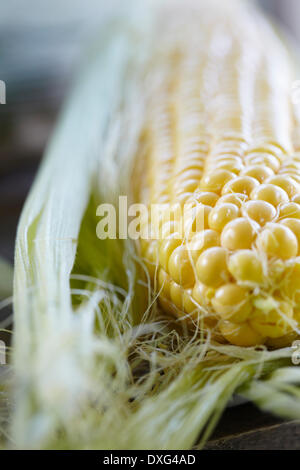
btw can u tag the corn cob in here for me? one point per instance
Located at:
(222, 141)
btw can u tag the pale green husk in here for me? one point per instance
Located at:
(96, 365)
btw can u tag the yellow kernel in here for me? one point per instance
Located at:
(225, 157)
(201, 241)
(232, 302)
(271, 148)
(188, 304)
(195, 219)
(169, 228)
(184, 197)
(221, 215)
(188, 174)
(190, 164)
(176, 295)
(206, 198)
(273, 322)
(241, 184)
(237, 199)
(238, 234)
(291, 210)
(180, 267)
(189, 185)
(290, 164)
(286, 183)
(215, 180)
(259, 211)
(232, 148)
(291, 282)
(295, 176)
(164, 282)
(151, 258)
(270, 193)
(245, 266)
(167, 306)
(258, 172)
(166, 248)
(263, 159)
(234, 165)
(203, 294)
(240, 334)
(296, 198)
(294, 226)
(277, 240)
(212, 267)
(165, 214)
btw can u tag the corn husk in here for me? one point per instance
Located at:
(96, 365)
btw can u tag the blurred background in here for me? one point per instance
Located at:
(40, 46)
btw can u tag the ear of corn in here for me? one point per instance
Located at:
(222, 140)
(88, 371)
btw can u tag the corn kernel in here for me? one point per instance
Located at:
(196, 219)
(180, 267)
(278, 241)
(206, 198)
(259, 211)
(184, 197)
(286, 183)
(275, 322)
(221, 215)
(241, 184)
(232, 302)
(164, 282)
(296, 198)
(189, 185)
(236, 199)
(270, 193)
(290, 210)
(151, 258)
(189, 174)
(203, 294)
(212, 268)
(238, 234)
(215, 180)
(234, 165)
(258, 172)
(169, 229)
(240, 334)
(166, 248)
(201, 241)
(176, 295)
(294, 226)
(245, 266)
(291, 282)
(263, 159)
(271, 148)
